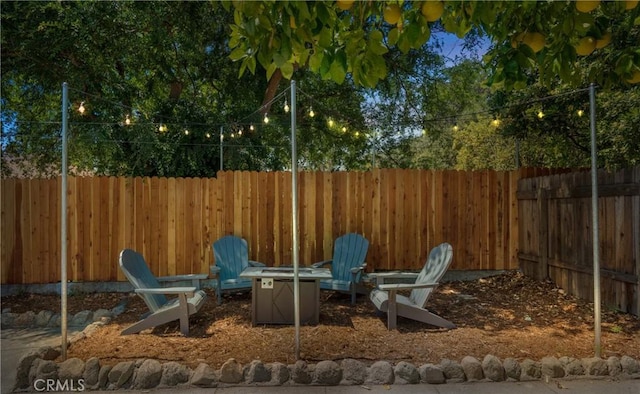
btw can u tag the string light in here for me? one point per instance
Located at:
(127, 120)
(81, 108)
(540, 114)
(251, 128)
(186, 132)
(162, 128)
(208, 135)
(266, 119)
(495, 122)
(455, 127)
(286, 106)
(330, 122)
(311, 113)
(239, 132)
(344, 129)
(580, 112)
(233, 135)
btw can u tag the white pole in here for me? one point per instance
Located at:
(63, 223)
(294, 209)
(596, 228)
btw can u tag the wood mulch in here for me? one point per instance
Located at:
(507, 315)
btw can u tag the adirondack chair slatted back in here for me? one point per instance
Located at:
(437, 264)
(350, 250)
(139, 275)
(232, 256)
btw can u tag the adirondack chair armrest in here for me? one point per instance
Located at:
(321, 264)
(360, 268)
(194, 278)
(380, 277)
(189, 291)
(215, 270)
(256, 264)
(176, 278)
(406, 286)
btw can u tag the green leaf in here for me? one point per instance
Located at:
(338, 68)
(238, 53)
(394, 34)
(287, 70)
(315, 61)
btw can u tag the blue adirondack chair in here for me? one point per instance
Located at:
(347, 266)
(231, 258)
(161, 310)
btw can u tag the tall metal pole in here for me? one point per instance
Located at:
(221, 157)
(63, 223)
(294, 221)
(596, 227)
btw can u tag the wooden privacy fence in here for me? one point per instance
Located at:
(173, 221)
(556, 234)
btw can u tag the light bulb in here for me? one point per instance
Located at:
(495, 122)
(251, 128)
(311, 113)
(344, 129)
(357, 134)
(266, 118)
(330, 122)
(540, 114)
(127, 120)
(239, 132)
(455, 127)
(186, 132)
(81, 108)
(580, 112)
(208, 135)
(286, 106)
(233, 135)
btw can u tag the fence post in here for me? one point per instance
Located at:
(543, 232)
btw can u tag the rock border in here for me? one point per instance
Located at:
(38, 367)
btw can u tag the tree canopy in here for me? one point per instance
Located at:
(336, 39)
(159, 81)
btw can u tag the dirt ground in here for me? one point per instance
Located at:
(508, 315)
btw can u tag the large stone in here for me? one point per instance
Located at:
(327, 373)
(300, 373)
(91, 372)
(573, 367)
(49, 352)
(431, 374)
(512, 368)
(595, 366)
(381, 372)
(45, 370)
(353, 372)
(614, 366)
(81, 319)
(203, 376)
(102, 315)
(8, 319)
(147, 375)
(453, 371)
(551, 367)
(121, 373)
(71, 369)
(472, 368)
(174, 373)
(493, 369)
(629, 365)
(26, 319)
(279, 373)
(231, 371)
(257, 372)
(43, 318)
(406, 373)
(22, 372)
(531, 370)
(103, 376)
